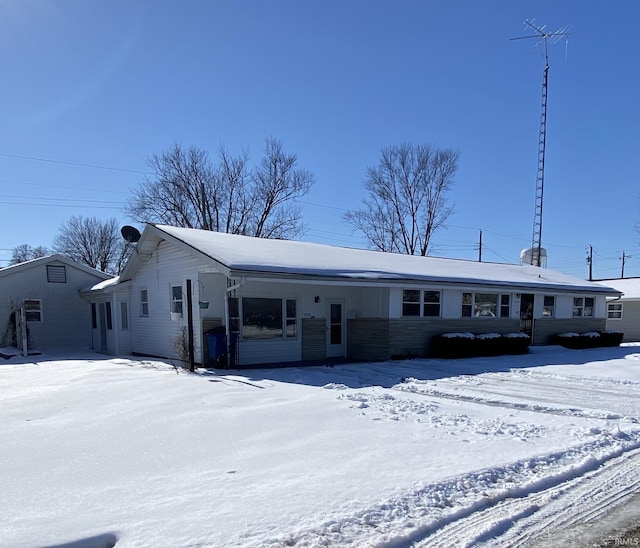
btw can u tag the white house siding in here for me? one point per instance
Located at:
(564, 305)
(154, 334)
(373, 302)
(66, 316)
(629, 324)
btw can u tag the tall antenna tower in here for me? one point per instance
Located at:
(542, 38)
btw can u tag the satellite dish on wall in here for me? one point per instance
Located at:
(130, 233)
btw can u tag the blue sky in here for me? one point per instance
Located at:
(106, 84)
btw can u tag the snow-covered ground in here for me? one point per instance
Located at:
(511, 451)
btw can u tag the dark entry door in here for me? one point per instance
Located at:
(526, 313)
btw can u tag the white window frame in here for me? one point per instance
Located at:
(177, 299)
(615, 308)
(580, 307)
(421, 303)
(35, 310)
(124, 316)
(552, 307)
(287, 320)
(144, 303)
(472, 306)
(108, 315)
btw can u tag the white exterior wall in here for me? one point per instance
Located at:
(451, 306)
(629, 324)
(66, 316)
(373, 302)
(117, 339)
(155, 334)
(564, 305)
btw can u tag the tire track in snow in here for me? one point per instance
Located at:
(452, 512)
(544, 518)
(559, 397)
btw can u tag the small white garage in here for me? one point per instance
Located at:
(47, 291)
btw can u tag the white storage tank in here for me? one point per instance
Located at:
(530, 255)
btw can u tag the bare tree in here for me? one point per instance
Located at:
(277, 183)
(24, 252)
(176, 195)
(92, 242)
(187, 190)
(407, 199)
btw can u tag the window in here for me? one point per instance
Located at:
(614, 311)
(588, 306)
(291, 320)
(109, 315)
(431, 304)
(411, 302)
(467, 305)
(412, 299)
(94, 316)
(176, 299)
(485, 305)
(583, 307)
(33, 310)
(144, 302)
(124, 316)
(56, 274)
(549, 306)
(264, 318)
(504, 306)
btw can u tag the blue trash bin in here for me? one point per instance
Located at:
(217, 347)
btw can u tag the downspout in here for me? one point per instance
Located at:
(192, 363)
(226, 312)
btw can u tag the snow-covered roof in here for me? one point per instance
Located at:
(106, 283)
(629, 287)
(246, 256)
(14, 269)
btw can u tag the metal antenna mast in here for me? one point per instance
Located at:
(542, 38)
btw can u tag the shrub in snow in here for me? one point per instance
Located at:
(453, 345)
(611, 338)
(464, 345)
(591, 339)
(515, 343)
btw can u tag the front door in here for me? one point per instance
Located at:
(526, 313)
(335, 328)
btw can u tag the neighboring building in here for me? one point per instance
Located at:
(289, 301)
(623, 313)
(48, 289)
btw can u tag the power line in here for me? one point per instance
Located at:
(94, 166)
(59, 199)
(59, 205)
(21, 183)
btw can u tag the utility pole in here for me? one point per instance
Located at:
(480, 248)
(624, 260)
(590, 262)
